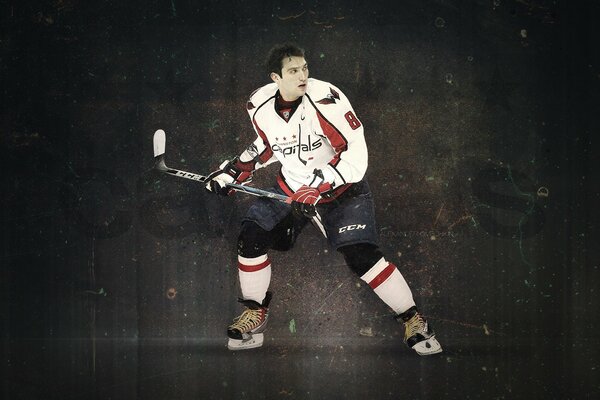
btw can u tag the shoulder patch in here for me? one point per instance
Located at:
(331, 97)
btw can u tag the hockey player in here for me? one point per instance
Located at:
(310, 128)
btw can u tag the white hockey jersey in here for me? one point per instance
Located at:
(323, 133)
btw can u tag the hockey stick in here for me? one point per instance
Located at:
(159, 143)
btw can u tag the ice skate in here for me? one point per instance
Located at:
(246, 330)
(418, 334)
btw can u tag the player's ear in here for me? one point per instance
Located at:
(275, 77)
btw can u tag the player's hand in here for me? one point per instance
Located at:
(228, 172)
(306, 198)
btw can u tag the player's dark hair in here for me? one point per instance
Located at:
(278, 53)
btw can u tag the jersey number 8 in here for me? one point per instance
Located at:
(352, 120)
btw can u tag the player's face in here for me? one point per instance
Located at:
(294, 79)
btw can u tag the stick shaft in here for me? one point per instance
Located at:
(159, 141)
(259, 192)
(162, 167)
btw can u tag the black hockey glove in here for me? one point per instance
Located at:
(229, 172)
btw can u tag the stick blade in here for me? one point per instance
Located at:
(159, 142)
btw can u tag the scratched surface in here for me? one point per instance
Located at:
(119, 283)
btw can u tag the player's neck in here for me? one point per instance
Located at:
(282, 101)
(286, 108)
(288, 98)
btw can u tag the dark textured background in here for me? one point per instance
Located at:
(481, 119)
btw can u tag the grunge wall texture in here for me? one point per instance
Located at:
(481, 119)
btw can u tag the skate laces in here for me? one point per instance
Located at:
(250, 319)
(414, 326)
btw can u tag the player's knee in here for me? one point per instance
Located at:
(361, 257)
(284, 234)
(253, 240)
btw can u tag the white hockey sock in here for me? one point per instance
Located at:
(255, 276)
(389, 284)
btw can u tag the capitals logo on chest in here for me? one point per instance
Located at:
(295, 145)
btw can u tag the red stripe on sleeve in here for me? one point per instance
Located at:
(267, 153)
(382, 276)
(337, 140)
(253, 268)
(248, 166)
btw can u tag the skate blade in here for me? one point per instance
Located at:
(256, 340)
(428, 347)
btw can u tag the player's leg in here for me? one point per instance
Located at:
(257, 236)
(351, 229)
(387, 282)
(367, 261)
(268, 224)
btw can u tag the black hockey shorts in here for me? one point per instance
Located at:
(349, 219)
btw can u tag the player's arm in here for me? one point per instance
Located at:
(345, 133)
(240, 169)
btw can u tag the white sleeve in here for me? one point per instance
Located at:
(259, 153)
